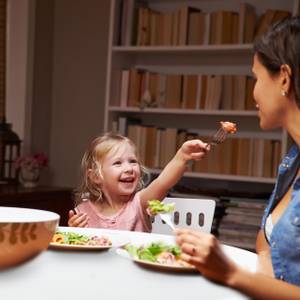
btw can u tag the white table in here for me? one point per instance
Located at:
(57, 274)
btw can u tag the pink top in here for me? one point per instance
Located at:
(130, 217)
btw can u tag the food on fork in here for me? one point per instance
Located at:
(229, 127)
(72, 238)
(156, 207)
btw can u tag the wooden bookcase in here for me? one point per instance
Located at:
(233, 59)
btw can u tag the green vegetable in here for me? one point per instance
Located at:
(72, 238)
(151, 252)
(157, 206)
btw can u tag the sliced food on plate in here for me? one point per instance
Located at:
(77, 240)
(158, 253)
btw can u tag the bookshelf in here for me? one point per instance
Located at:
(156, 59)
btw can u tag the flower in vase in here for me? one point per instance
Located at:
(31, 162)
(29, 167)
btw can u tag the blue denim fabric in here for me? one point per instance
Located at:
(285, 237)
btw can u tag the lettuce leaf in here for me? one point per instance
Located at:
(150, 253)
(157, 206)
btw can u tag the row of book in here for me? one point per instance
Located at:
(144, 26)
(236, 156)
(241, 222)
(141, 88)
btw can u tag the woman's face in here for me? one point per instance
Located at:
(270, 103)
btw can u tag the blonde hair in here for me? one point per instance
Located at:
(92, 161)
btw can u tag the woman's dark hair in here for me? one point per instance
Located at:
(281, 45)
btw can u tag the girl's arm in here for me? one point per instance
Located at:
(205, 253)
(158, 188)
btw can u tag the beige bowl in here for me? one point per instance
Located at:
(24, 233)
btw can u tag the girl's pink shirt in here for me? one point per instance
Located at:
(130, 217)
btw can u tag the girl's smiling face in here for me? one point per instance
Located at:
(120, 171)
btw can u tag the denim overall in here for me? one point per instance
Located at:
(285, 237)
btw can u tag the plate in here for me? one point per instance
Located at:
(155, 265)
(164, 267)
(77, 247)
(71, 234)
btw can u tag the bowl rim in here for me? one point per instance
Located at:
(26, 215)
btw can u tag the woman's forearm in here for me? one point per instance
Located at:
(259, 286)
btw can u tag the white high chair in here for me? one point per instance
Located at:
(194, 213)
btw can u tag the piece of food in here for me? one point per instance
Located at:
(157, 207)
(72, 238)
(158, 252)
(229, 127)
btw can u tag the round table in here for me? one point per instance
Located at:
(62, 274)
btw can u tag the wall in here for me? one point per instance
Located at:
(78, 83)
(20, 25)
(56, 79)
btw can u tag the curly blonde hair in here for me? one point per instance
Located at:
(92, 160)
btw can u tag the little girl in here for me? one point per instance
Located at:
(112, 195)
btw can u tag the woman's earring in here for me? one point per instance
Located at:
(283, 93)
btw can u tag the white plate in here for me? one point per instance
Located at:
(77, 247)
(116, 239)
(155, 265)
(60, 246)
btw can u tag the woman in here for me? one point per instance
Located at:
(276, 67)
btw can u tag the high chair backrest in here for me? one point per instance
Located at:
(190, 213)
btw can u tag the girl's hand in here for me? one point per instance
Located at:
(194, 149)
(204, 252)
(77, 220)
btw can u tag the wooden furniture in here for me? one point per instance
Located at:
(55, 199)
(127, 52)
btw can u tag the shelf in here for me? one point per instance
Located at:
(215, 49)
(163, 61)
(237, 54)
(236, 178)
(249, 113)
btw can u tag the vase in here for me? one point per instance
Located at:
(29, 177)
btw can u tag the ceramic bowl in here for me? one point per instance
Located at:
(24, 233)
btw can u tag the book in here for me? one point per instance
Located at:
(128, 22)
(183, 23)
(267, 165)
(276, 157)
(249, 102)
(134, 91)
(264, 22)
(225, 159)
(239, 92)
(196, 28)
(257, 158)
(207, 31)
(143, 26)
(243, 157)
(124, 88)
(173, 91)
(213, 92)
(166, 29)
(189, 94)
(247, 20)
(227, 92)
(168, 146)
(150, 146)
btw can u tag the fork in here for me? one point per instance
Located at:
(219, 137)
(167, 219)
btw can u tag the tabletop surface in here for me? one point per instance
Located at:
(59, 274)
